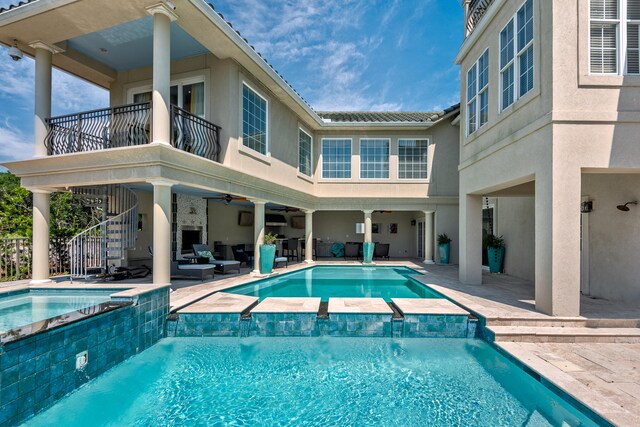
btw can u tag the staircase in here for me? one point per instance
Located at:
(92, 250)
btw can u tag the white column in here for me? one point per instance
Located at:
(308, 235)
(470, 239)
(161, 231)
(428, 237)
(258, 232)
(162, 16)
(43, 57)
(367, 226)
(41, 211)
(557, 242)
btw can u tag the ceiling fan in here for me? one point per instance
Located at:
(228, 198)
(285, 209)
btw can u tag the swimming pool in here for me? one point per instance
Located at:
(340, 281)
(33, 306)
(325, 381)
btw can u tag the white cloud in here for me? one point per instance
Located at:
(69, 93)
(327, 39)
(14, 144)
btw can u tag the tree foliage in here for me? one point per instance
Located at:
(69, 215)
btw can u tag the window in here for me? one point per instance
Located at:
(304, 152)
(478, 94)
(254, 120)
(336, 158)
(613, 36)
(412, 158)
(374, 158)
(516, 56)
(188, 95)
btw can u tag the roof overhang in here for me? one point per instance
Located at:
(470, 41)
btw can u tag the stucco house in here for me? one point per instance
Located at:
(549, 136)
(203, 140)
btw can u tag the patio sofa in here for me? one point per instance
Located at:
(222, 266)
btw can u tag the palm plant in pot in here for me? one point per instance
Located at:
(495, 252)
(267, 253)
(444, 248)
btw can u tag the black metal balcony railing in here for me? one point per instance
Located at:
(127, 126)
(477, 9)
(194, 134)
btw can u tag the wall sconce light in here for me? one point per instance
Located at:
(625, 208)
(413, 222)
(586, 207)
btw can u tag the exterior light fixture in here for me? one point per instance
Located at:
(14, 51)
(625, 208)
(586, 207)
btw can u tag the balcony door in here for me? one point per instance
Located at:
(186, 94)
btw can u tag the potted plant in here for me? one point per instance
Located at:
(267, 253)
(495, 252)
(444, 248)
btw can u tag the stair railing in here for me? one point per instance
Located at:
(92, 249)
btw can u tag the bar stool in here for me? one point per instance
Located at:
(292, 247)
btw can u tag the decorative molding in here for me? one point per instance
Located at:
(39, 190)
(38, 44)
(165, 8)
(161, 182)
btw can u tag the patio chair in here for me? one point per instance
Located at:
(241, 256)
(189, 269)
(279, 260)
(381, 250)
(351, 250)
(291, 248)
(223, 266)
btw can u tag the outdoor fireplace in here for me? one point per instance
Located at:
(191, 235)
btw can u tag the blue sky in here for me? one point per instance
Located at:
(361, 55)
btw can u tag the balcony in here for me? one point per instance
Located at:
(127, 126)
(476, 10)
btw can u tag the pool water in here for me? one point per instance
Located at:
(313, 382)
(30, 307)
(340, 281)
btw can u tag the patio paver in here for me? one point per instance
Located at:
(359, 306)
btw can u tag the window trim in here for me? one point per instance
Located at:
(429, 158)
(388, 158)
(517, 54)
(242, 147)
(301, 129)
(333, 138)
(622, 23)
(479, 91)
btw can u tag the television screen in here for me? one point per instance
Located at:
(297, 222)
(245, 219)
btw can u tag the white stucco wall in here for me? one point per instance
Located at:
(515, 222)
(614, 243)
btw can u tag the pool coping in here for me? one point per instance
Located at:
(200, 295)
(65, 319)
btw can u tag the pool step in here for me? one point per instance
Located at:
(563, 334)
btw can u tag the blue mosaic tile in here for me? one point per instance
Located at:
(37, 371)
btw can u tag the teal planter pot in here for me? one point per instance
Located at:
(443, 250)
(496, 256)
(267, 257)
(367, 252)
